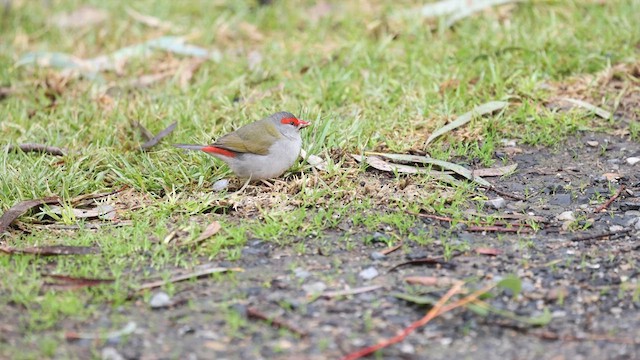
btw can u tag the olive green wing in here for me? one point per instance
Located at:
(255, 138)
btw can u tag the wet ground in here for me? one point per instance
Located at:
(581, 266)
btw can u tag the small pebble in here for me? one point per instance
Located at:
(616, 228)
(220, 185)
(314, 288)
(508, 142)
(368, 273)
(301, 273)
(109, 353)
(407, 348)
(593, 143)
(633, 160)
(377, 255)
(159, 300)
(566, 216)
(616, 311)
(497, 203)
(558, 314)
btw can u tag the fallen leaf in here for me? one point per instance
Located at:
(149, 21)
(208, 232)
(445, 165)
(182, 277)
(416, 299)
(66, 282)
(149, 79)
(585, 105)
(426, 261)
(81, 17)
(113, 335)
(17, 210)
(459, 8)
(469, 8)
(611, 176)
(156, 139)
(488, 251)
(378, 163)
(51, 250)
(487, 108)
(497, 171)
(116, 60)
(430, 281)
(105, 212)
(347, 292)
(31, 147)
(314, 160)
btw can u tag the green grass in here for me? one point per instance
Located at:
(366, 77)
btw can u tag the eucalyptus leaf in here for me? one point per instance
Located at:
(479, 110)
(416, 299)
(445, 165)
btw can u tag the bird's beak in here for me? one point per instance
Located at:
(303, 124)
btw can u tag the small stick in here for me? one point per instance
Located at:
(31, 147)
(356, 291)
(504, 193)
(601, 236)
(281, 324)
(426, 261)
(548, 335)
(448, 219)
(435, 217)
(612, 199)
(436, 310)
(388, 251)
(499, 229)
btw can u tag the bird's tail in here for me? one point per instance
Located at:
(190, 147)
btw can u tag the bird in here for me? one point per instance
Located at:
(261, 150)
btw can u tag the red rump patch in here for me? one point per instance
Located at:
(219, 151)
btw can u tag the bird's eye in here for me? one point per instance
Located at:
(290, 121)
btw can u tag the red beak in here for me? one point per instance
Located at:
(303, 124)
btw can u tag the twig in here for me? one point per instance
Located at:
(156, 139)
(78, 199)
(51, 250)
(364, 289)
(601, 236)
(66, 282)
(448, 219)
(504, 193)
(436, 310)
(499, 229)
(425, 261)
(183, 277)
(278, 323)
(612, 199)
(548, 335)
(388, 251)
(434, 217)
(41, 148)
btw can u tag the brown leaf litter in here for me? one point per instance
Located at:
(616, 89)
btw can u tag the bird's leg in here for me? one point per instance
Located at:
(244, 186)
(270, 185)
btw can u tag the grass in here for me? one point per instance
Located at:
(367, 78)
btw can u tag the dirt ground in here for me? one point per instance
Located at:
(590, 286)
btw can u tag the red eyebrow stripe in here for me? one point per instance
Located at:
(220, 151)
(288, 120)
